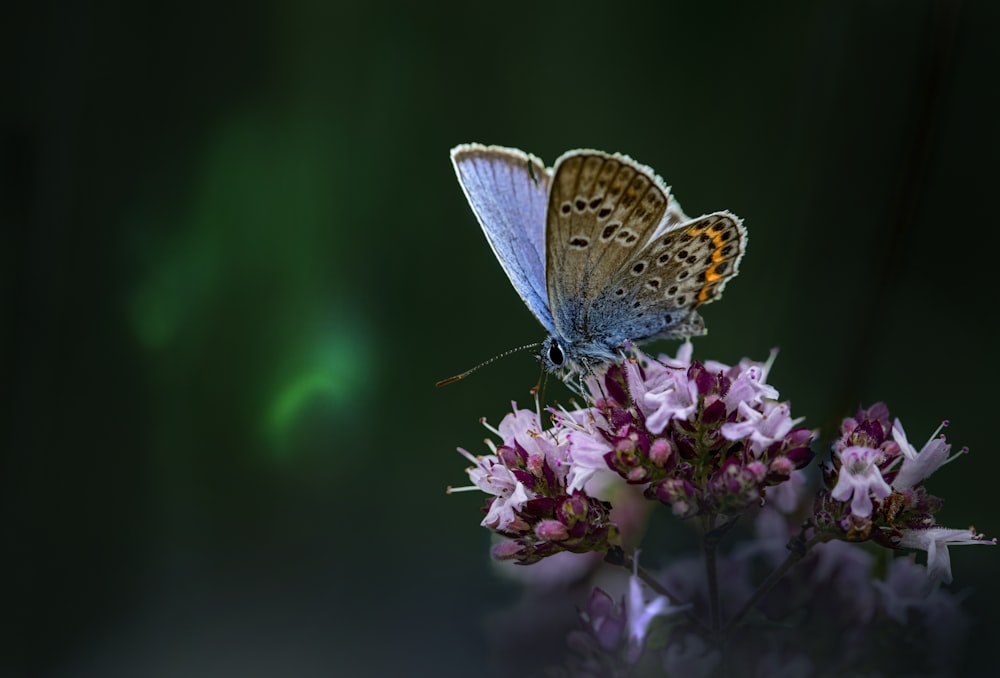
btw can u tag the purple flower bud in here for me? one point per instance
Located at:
(713, 413)
(782, 466)
(619, 418)
(517, 526)
(799, 456)
(604, 620)
(573, 508)
(625, 447)
(551, 530)
(868, 434)
(823, 520)
(878, 413)
(660, 452)
(637, 476)
(507, 550)
(679, 494)
(890, 449)
(509, 457)
(705, 381)
(614, 382)
(755, 471)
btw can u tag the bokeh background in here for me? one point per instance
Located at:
(235, 259)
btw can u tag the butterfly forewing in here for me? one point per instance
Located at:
(508, 191)
(602, 210)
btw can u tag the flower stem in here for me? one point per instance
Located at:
(798, 548)
(618, 556)
(710, 543)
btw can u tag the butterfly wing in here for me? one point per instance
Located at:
(655, 293)
(603, 208)
(625, 263)
(508, 191)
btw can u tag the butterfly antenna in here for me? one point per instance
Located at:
(463, 375)
(669, 367)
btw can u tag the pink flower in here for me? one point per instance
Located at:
(936, 540)
(492, 477)
(917, 466)
(860, 477)
(762, 428)
(639, 613)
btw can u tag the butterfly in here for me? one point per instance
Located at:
(598, 249)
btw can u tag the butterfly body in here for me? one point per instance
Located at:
(597, 248)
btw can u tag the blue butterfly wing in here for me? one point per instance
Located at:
(508, 191)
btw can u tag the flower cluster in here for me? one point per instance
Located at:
(703, 438)
(534, 502)
(715, 442)
(876, 489)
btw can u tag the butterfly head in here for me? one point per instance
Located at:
(553, 356)
(575, 356)
(583, 352)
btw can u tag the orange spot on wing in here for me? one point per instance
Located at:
(719, 244)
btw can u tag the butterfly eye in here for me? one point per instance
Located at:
(556, 354)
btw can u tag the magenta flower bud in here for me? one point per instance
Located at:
(782, 466)
(755, 472)
(619, 418)
(604, 620)
(705, 381)
(614, 381)
(637, 475)
(625, 446)
(677, 493)
(506, 550)
(574, 508)
(508, 456)
(551, 530)
(891, 449)
(713, 413)
(683, 508)
(518, 525)
(659, 452)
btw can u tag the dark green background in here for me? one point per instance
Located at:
(235, 259)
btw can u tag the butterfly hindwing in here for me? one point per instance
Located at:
(508, 191)
(709, 249)
(657, 291)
